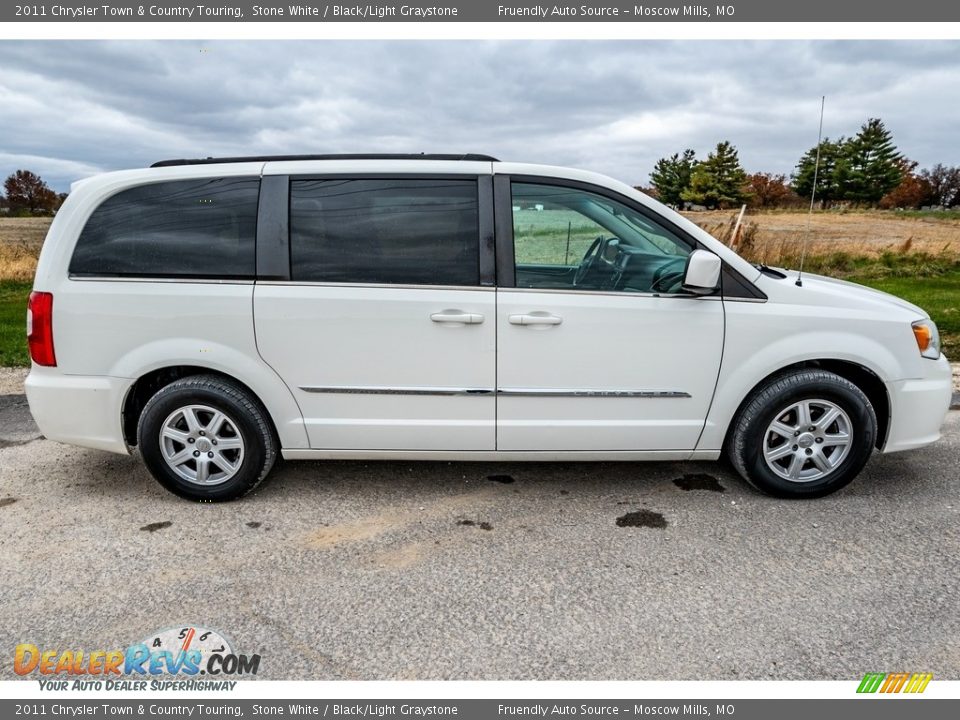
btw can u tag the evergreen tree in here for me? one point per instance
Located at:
(832, 176)
(671, 176)
(876, 167)
(719, 181)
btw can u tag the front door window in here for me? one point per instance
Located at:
(571, 239)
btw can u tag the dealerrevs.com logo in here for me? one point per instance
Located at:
(171, 659)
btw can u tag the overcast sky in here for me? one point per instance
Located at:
(69, 109)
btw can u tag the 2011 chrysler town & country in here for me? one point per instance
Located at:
(217, 313)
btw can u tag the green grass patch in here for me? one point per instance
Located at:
(561, 237)
(552, 237)
(951, 214)
(888, 265)
(13, 318)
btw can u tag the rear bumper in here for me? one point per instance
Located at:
(918, 407)
(77, 409)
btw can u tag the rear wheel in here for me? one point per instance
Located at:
(803, 435)
(206, 439)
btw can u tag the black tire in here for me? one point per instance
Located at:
(247, 420)
(748, 434)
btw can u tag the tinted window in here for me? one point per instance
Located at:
(567, 238)
(187, 228)
(416, 232)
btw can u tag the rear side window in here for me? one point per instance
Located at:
(403, 231)
(182, 229)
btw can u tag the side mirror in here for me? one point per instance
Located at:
(702, 274)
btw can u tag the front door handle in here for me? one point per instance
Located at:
(457, 316)
(535, 318)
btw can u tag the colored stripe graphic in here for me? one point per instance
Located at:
(895, 682)
(918, 682)
(871, 682)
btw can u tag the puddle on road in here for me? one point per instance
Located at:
(699, 481)
(153, 527)
(470, 523)
(254, 524)
(7, 501)
(642, 518)
(505, 479)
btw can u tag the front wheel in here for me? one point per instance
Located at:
(205, 438)
(803, 435)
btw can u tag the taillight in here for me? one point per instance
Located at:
(40, 328)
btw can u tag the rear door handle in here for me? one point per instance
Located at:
(457, 316)
(535, 318)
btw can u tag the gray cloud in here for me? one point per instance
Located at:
(73, 108)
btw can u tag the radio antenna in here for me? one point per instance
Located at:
(813, 194)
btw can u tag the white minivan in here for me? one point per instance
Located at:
(215, 313)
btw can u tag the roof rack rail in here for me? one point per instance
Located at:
(356, 156)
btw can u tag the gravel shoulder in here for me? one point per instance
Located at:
(11, 380)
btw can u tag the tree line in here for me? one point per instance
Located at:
(865, 170)
(26, 194)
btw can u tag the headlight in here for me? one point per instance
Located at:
(928, 338)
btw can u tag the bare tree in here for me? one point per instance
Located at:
(27, 191)
(944, 185)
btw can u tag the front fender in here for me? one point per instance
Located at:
(757, 347)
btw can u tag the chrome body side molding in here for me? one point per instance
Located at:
(487, 392)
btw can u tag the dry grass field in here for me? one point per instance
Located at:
(775, 237)
(20, 241)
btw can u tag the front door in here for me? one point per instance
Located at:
(599, 347)
(383, 332)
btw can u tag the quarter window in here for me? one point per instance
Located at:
(567, 238)
(401, 231)
(180, 229)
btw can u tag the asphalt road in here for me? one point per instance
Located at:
(353, 570)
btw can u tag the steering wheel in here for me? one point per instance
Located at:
(589, 260)
(669, 278)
